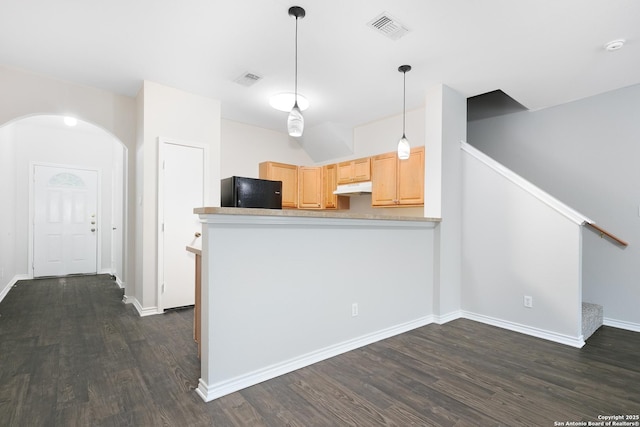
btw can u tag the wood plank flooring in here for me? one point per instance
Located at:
(72, 354)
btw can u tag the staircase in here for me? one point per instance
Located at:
(592, 319)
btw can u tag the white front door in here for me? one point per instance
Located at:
(182, 190)
(65, 221)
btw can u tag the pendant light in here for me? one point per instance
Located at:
(404, 149)
(295, 121)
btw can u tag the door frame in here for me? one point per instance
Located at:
(162, 141)
(32, 211)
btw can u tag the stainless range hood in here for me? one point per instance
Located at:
(354, 189)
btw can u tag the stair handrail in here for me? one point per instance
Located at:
(533, 190)
(604, 233)
(537, 192)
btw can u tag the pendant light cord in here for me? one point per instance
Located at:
(404, 102)
(296, 67)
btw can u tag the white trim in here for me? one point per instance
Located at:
(541, 195)
(7, 288)
(120, 283)
(209, 392)
(32, 170)
(142, 312)
(577, 342)
(5, 291)
(449, 317)
(622, 324)
(160, 212)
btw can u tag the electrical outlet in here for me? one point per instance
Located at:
(354, 309)
(528, 301)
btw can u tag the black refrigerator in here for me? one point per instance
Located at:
(241, 192)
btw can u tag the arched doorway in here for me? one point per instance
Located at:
(45, 140)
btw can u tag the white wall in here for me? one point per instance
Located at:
(277, 294)
(7, 215)
(382, 136)
(243, 147)
(584, 153)
(445, 127)
(25, 94)
(37, 140)
(515, 245)
(169, 113)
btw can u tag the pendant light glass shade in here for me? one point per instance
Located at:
(295, 122)
(404, 149)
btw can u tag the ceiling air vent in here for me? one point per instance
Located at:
(388, 26)
(248, 79)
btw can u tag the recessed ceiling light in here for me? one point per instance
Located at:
(614, 45)
(70, 121)
(284, 101)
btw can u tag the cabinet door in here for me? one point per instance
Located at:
(309, 187)
(345, 172)
(288, 174)
(330, 180)
(411, 178)
(362, 170)
(383, 180)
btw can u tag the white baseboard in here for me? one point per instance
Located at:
(120, 283)
(621, 324)
(8, 286)
(4, 291)
(142, 312)
(577, 342)
(449, 317)
(210, 392)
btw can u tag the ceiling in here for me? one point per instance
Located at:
(539, 52)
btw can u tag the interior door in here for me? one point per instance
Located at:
(182, 191)
(65, 227)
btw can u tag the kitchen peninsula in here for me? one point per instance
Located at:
(282, 289)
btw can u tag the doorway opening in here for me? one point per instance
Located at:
(73, 161)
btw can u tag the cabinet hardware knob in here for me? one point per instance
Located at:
(197, 234)
(93, 229)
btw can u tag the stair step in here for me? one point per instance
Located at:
(592, 319)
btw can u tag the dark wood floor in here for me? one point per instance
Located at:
(72, 354)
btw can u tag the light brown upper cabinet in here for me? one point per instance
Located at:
(398, 182)
(358, 170)
(288, 174)
(310, 187)
(330, 182)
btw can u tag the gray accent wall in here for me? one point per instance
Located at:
(585, 153)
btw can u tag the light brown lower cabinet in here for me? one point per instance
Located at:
(398, 182)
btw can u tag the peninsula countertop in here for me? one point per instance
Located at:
(298, 213)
